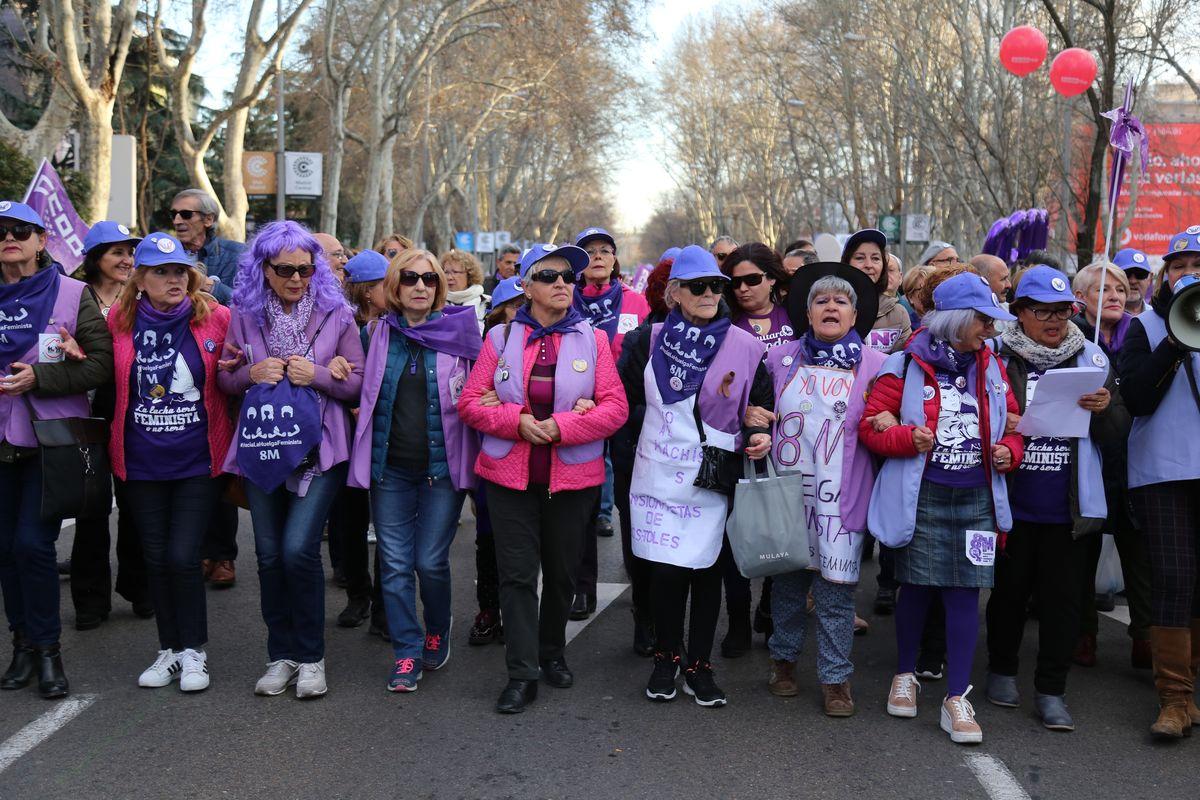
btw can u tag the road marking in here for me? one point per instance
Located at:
(605, 594)
(994, 777)
(1120, 614)
(43, 728)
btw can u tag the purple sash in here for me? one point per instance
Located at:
(25, 308)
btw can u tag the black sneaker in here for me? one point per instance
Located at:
(698, 682)
(929, 669)
(487, 627)
(885, 601)
(604, 527)
(356, 612)
(661, 686)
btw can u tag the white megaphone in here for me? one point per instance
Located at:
(1183, 315)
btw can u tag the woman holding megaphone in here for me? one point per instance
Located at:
(1164, 477)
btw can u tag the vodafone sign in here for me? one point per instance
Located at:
(1168, 193)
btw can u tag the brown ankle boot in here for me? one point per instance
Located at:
(1193, 711)
(1172, 649)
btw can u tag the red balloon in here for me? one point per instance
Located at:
(1073, 71)
(1023, 50)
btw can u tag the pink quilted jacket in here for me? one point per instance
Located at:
(601, 422)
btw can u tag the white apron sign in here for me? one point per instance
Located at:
(812, 411)
(672, 521)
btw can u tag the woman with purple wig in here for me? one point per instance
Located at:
(295, 359)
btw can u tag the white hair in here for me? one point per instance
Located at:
(949, 325)
(206, 202)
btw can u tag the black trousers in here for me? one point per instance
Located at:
(91, 572)
(172, 517)
(671, 588)
(738, 592)
(639, 570)
(1135, 570)
(220, 540)
(536, 530)
(588, 569)
(1048, 560)
(487, 577)
(348, 521)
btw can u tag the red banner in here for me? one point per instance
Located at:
(1168, 196)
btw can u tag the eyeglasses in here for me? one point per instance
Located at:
(600, 251)
(551, 276)
(186, 213)
(1044, 314)
(985, 320)
(455, 271)
(942, 261)
(336, 255)
(698, 286)
(753, 279)
(21, 231)
(288, 270)
(408, 278)
(721, 256)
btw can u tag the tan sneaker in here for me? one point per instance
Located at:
(782, 682)
(838, 702)
(958, 720)
(902, 699)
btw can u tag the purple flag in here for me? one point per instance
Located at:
(64, 229)
(640, 276)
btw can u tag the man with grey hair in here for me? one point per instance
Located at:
(506, 266)
(722, 246)
(938, 254)
(194, 214)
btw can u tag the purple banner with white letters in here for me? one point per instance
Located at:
(64, 229)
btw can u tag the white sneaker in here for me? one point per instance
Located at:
(195, 671)
(371, 538)
(165, 669)
(278, 677)
(902, 699)
(312, 680)
(958, 720)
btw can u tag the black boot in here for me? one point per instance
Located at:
(644, 636)
(52, 681)
(516, 695)
(24, 665)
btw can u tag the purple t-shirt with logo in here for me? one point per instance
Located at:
(166, 433)
(957, 455)
(1039, 488)
(778, 327)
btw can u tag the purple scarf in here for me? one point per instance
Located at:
(602, 310)
(286, 334)
(682, 354)
(25, 309)
(452, 331)
(941, 356)
(845, 353)
(565, 325)
(1113, 345)
(157, 337)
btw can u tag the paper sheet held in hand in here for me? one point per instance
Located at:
(1054, 409)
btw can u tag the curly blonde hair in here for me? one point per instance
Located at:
(468, 262)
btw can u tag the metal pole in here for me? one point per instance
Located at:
(280, 156)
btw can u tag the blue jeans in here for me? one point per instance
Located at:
(28, 569)
(415, 521)
(287, 541)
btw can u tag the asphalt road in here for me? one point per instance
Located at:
(600, 739)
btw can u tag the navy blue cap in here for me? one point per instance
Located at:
(1045, 284)
(588, 234)
(506, 290)
(695, 262)
(10, 209)
(968, 290)
(161, 248)
(670, 252)
(367, 266)
(575, 256)
(107, 232)
(1184, 242)
(1132, 258)
(859, 237)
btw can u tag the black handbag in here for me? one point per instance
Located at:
(719, 469)
(76, 477)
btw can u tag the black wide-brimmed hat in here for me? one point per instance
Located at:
(867, 300)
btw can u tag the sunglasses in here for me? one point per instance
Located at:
(288, 270)
(747, 280)
(552, 276)
(698, 286)
(21, 231)
(721, 256)
(391, 252)
(408, 278)
(186, 213)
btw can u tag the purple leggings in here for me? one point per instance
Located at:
(962, 630)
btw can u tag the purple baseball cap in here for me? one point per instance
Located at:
(20, 212)
(575, 256)
(588, 234)
(1130, 259)
(1044, 284)
(161, 248)
(694, 262)
(367, 266)
(968, 290)
(1187, 241)
(107, 232)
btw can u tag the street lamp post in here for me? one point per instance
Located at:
(280, 154)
